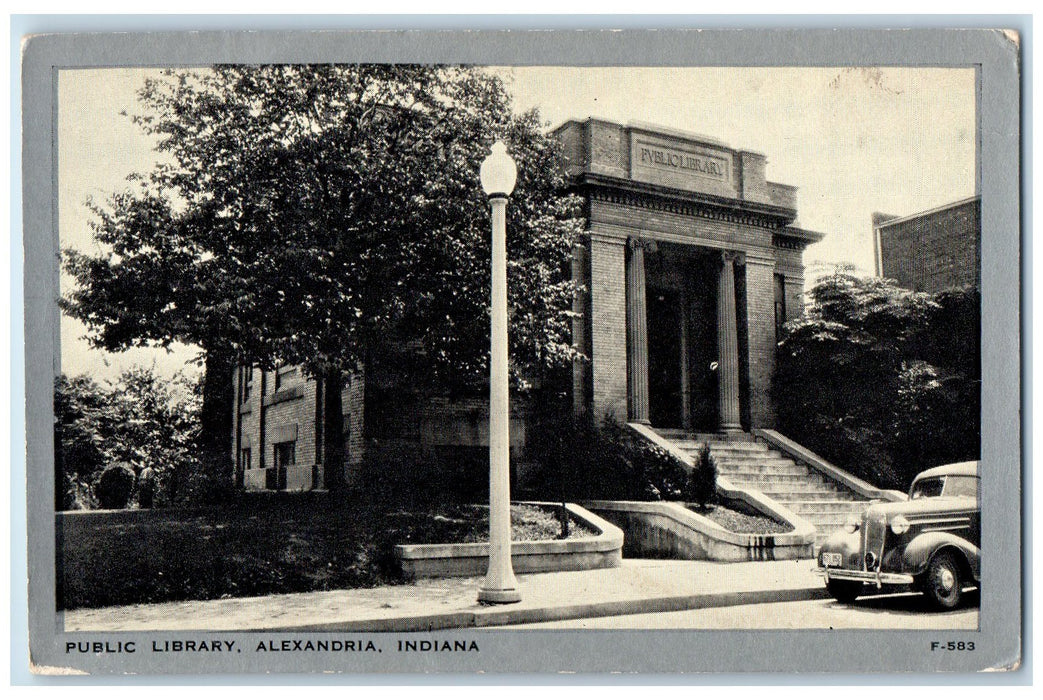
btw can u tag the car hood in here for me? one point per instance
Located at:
(925, 505)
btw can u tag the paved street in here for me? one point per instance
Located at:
(895, 611)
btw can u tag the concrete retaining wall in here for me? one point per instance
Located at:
(603, 551)
(671, 530)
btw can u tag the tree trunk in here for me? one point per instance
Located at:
(216, 416)
(333, 430)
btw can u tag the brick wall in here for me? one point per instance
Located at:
(581, 386)
(935, 251)
(353, 402)
(608, 326)
(572, 136)
(609, 150)
(794, 297)
(754, 183)
(760, 315)
(269, 417)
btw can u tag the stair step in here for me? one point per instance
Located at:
(827, 519)
(766, 469)
(792, 484)
(808, 495)
(791, 481)
(680, 434)
(717, 446)
(766, 462)
(824, 506)
(738, 448)
(727, 453)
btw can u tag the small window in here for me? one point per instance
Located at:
(283, 375)
(245, 381)
(780, 305)
(244, 458)
(285, 454)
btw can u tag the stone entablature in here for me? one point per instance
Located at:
(670, 159)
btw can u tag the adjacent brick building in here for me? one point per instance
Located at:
(932, 250)
(691, 264)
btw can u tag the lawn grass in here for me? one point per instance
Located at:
(258, 546)
(470, 523)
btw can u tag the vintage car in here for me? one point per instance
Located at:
(930, 541)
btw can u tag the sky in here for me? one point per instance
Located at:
(852, 140)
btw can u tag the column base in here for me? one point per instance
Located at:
(499, 596)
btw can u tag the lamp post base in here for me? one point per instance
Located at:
(499, 596)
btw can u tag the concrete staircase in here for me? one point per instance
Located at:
(750, 465)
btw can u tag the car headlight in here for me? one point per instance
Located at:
(899, 525)
(853, 523)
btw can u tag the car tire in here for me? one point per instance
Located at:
(844, 591)
(943, 582)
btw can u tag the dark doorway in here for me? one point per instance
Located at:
(702, 343)
(665, 371)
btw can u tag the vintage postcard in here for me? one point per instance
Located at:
(547, 352)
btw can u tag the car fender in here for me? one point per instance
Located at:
(919, 551)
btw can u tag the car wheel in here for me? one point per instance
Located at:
(942, 583)
(844, 591)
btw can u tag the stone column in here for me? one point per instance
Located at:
(728, 345)
(637, 335)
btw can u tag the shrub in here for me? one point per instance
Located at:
(701, 487)
(882, 381)
(577, 460)
(115, 485)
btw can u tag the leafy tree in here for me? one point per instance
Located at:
(869, 378)
(81, 415)
(312, 214)
(140, 419)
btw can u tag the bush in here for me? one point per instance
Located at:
(577, 460)
(882, 381)
(115, 485)
(140, 418)
(702, 481)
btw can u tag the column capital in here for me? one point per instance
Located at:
(733, 256)
(646, 245)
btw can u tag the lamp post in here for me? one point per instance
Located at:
(498, 175)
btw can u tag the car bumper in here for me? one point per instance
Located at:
(880, 578)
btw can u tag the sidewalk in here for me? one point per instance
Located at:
(638, 586)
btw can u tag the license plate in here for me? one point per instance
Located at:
(832, 559)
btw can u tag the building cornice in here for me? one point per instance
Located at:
(929, 212)
(659, 198)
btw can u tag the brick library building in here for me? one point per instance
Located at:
(690, 267)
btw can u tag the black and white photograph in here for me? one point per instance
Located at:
(437, 364)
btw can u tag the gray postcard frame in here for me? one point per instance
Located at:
(997, 57)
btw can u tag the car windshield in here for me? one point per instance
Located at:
(961, 486)
(945, 486)
(927, 488)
